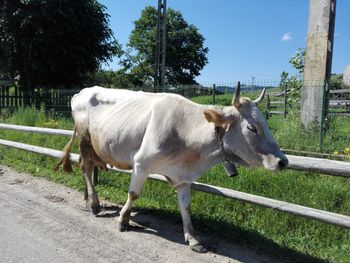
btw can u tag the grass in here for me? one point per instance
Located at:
(267, 231)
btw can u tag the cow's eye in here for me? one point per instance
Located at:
(252, 128)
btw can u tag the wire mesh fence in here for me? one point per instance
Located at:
(285, 105)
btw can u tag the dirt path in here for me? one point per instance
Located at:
(44, 222)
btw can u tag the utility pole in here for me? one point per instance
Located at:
(160, 54)
(252, 86)
(318, 62)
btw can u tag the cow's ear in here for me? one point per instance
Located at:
(217, 117)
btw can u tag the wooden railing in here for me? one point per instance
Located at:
(339, 102)
(277, 102)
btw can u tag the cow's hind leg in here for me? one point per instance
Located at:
(184, 196)
(138, 177)
(86, 193)
(87, 166)
(90, 195)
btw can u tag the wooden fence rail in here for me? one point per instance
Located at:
(279, 106)
(309, 164)
(339, 102)
(298, 210)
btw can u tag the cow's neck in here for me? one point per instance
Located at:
(227, 156)
(219, 136)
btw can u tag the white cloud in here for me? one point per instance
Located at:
(286, 37)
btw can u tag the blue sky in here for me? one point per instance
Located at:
(246, 38)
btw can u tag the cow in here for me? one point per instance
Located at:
(166, 134)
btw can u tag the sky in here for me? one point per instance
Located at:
(247, 39)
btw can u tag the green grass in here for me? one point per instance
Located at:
(290, 135)
(224, 99)
(268, 231)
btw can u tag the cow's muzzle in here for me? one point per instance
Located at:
(275, 163)
(283, 163)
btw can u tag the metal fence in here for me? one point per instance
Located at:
(339, 102)
(12, 97)
(58, 100)
(282, 105)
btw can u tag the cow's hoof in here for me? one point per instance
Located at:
(199, 248)
(122, 227)
(95, 209)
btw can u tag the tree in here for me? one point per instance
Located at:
(294, 83)
(110, 79)
(298, 60)
(54, 42)
(186, 54)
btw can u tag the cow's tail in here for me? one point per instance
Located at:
(67, 166)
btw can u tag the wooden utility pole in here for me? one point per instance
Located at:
(318, 61)
(160, 54)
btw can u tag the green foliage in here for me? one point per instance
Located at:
(345, 152)
(186, 54)
(290, 134)
(110, 79)
(32, 117)
(224, 99)
(337, 82)
(294, 83)
(27, 117)
(298, 60)
(55, 42)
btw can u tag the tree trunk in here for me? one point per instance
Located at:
(28, 91)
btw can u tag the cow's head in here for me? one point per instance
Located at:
(246, 138)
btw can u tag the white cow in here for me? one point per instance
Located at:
(169, 135)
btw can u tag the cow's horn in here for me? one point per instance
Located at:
(235, 100)
(261, 97)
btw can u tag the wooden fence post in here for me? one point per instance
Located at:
(268, 105)
(16, 97)
(285, 101)
(2, 90)
(7, 96)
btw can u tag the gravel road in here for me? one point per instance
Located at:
(41, 221)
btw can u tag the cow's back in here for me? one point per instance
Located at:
(116, 120)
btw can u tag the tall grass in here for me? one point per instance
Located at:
(288, 237)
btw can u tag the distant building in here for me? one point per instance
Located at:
(346, 75)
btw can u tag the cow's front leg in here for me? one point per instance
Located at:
(138, 177)
(184, 196)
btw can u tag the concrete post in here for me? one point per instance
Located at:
(318, 60)
(160, 52)
(346, 76)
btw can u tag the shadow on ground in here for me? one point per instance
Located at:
(218, 243)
